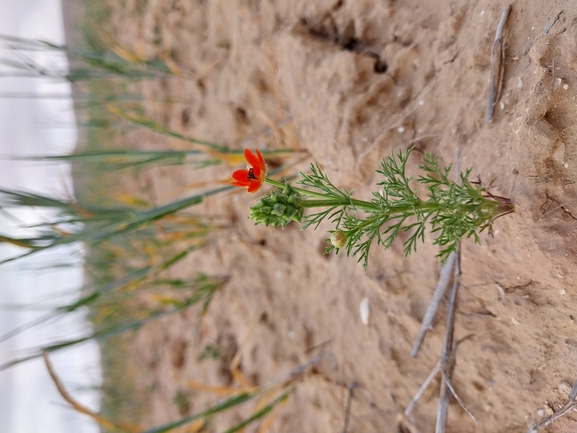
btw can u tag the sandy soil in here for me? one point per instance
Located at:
(302, 66)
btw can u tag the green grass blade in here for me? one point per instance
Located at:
(20, 329)
(157, 127)
(217, 408)
(128, 221)
(260, 414)
(134, 277)
(119, 159)
(23, 198)
(107, 333)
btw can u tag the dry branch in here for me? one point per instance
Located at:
(351, 388)
(110, 425)
(497, 66)
(566, 408)
(444, 280)
(447, 356)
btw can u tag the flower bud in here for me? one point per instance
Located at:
(338, 239)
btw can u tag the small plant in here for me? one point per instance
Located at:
(453, 209)
(212, 352)
(182, 402)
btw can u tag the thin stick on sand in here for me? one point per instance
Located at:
(422, 389)
(351, 388)
(497, 66)
(566, 408)
(444, 280)
(447, 356)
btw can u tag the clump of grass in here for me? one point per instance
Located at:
(202, 292)
(93, 225)
(131, 247)
(87, 64)
(107, 160)
(211, 352)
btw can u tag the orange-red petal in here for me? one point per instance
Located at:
(254, 187)
(255, 161)
(241, 176)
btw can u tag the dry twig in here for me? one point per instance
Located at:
(447, 356)
(444, 280)
(446, 364)
(422, 389)
(348, 406)
(551, 24)
(497, 66)
(566, 408)
(106, 423)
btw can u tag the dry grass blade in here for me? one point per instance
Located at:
(110, 425)
(217, 390)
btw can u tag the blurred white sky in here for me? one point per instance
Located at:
(29, 402)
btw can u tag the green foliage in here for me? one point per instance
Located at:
(223, 406)
(130, 249)
(93, 224)
(212, 352)
(182, 402)
(107, 160)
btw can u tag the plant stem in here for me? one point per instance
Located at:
(327, 199)
(341, 202)
(426, 207)
(299, 190)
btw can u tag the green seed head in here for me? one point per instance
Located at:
(278, 208)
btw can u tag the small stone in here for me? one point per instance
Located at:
(365, 311)
(564, 388)
(559, 153)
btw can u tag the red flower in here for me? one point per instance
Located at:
(254, 177)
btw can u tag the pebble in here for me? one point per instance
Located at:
(365, 311)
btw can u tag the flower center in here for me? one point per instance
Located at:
(251, 175)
